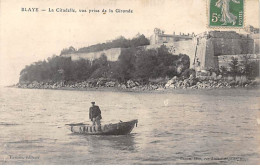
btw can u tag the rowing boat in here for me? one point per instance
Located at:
(121, 128)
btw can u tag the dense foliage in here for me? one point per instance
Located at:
(120, 42)
(248, 68)
(133, 63)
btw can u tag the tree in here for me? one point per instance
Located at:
(154, 63)
(81, 70)
(234, 67)
(250, 68)
(67, 50)
(140, 40)
(126, 64)
(136, 63)
(223, 71)
(100, 67)
(146, 62)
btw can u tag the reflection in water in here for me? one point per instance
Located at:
(121, 142)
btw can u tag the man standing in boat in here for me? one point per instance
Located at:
(95, 114)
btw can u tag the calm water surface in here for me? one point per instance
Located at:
(197, 127)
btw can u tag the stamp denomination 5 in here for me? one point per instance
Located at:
(226, 13)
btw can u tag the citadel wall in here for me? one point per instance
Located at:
(206, 50)
(211, 45)
(224, 60)
(112, 55)
(180, 47)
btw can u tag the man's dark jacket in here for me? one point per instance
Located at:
(94, 112)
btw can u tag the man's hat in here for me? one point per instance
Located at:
(92, 102)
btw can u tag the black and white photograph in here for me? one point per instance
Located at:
(129, 82)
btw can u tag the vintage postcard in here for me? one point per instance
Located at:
(129, 82)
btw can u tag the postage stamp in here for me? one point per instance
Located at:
(226, 13)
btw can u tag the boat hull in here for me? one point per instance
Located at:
(121, 128)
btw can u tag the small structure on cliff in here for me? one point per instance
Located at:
(160, 38)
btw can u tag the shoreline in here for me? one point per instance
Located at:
(214, 91)
(162, 85)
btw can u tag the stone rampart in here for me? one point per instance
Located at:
(224, 60)
(112, 55)
(211, 45)
(206, 50)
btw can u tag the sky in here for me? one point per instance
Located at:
(27, 37)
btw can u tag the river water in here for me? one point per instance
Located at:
(183, 127)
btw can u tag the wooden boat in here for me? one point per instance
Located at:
(121, 128)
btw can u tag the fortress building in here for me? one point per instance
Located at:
(214, 49)
(160, 38)
(112, 54)
(207, 50)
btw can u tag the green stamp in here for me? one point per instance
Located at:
(226, 13)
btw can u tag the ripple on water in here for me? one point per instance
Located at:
(8, 124)
(203, 124)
